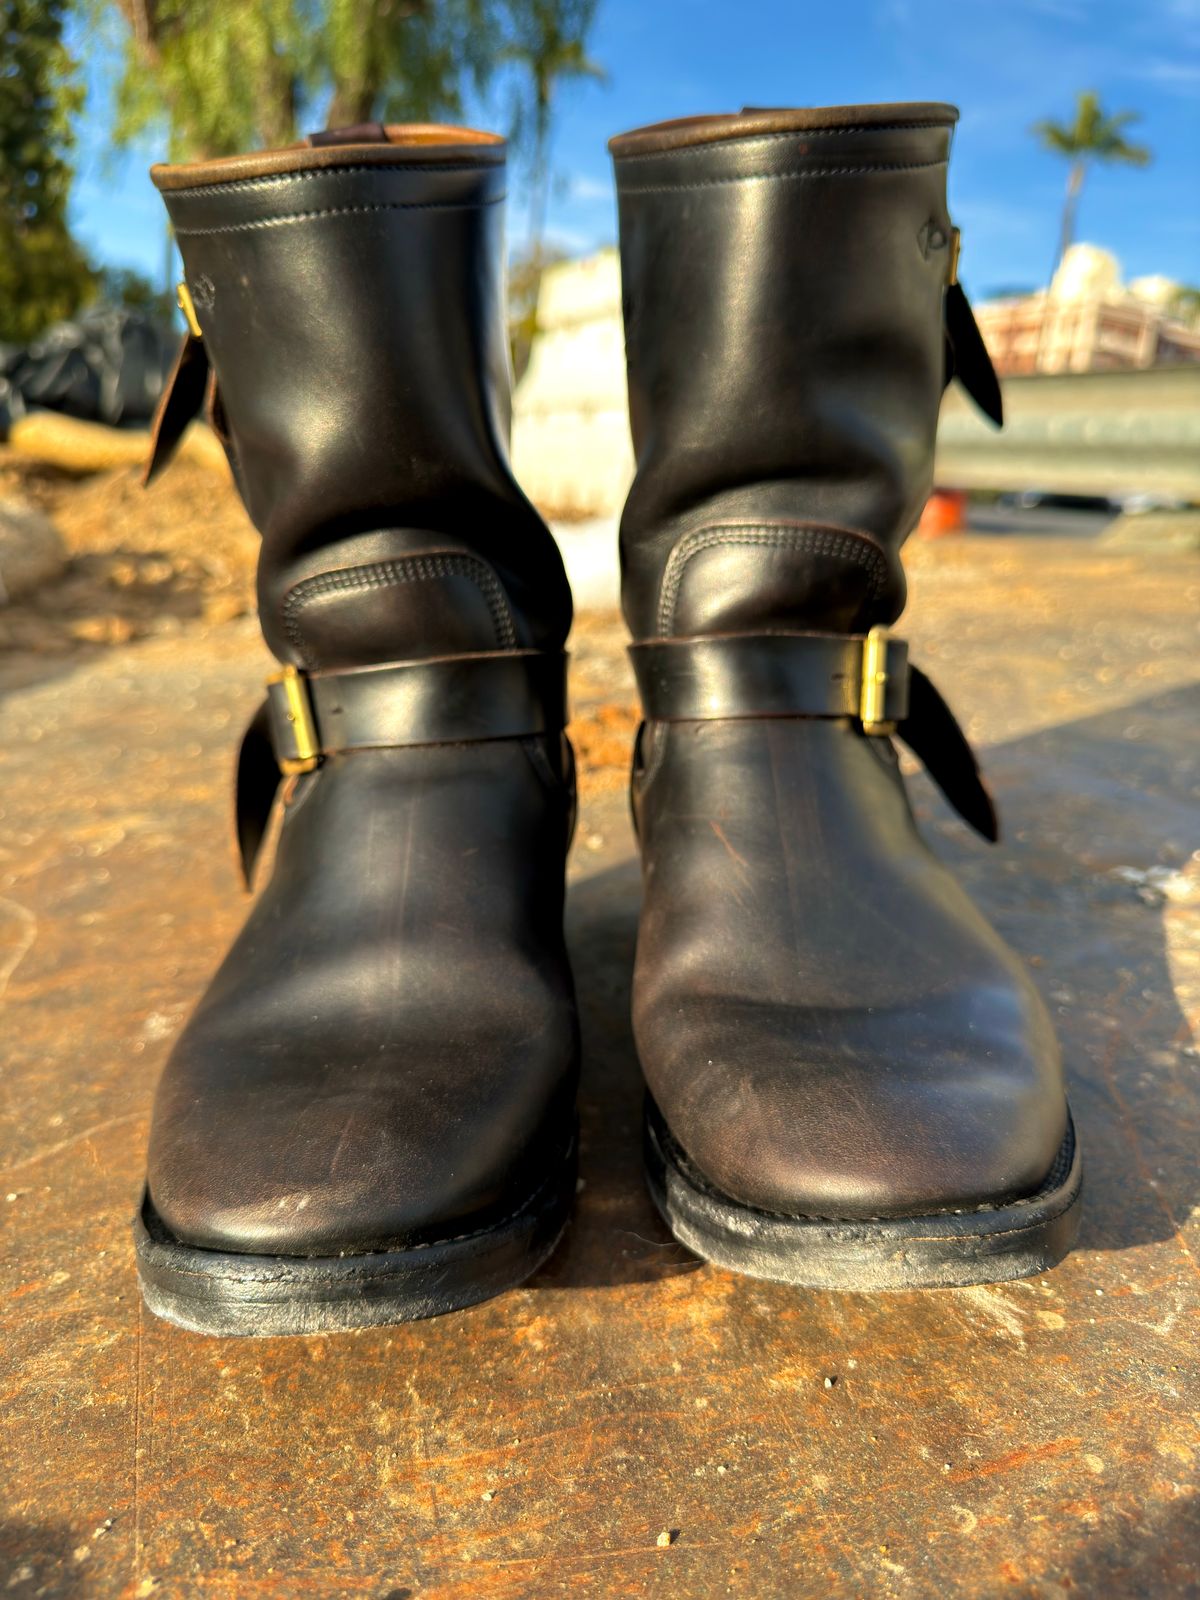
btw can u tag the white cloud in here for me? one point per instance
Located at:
(1170, 74)
(581, 187)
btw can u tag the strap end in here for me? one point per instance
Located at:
(932, 733)
(182, 401)
(967, 357)
(256, 787)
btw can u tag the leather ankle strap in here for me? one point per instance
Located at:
(864, 676)
(509, 694)
(513, 694)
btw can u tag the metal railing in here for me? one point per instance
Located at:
(1079, 433)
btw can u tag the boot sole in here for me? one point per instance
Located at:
(227, 1293)
(949, 1249)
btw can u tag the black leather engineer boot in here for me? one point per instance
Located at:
(370, 1116)
(853, 1082)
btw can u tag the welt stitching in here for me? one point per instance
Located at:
(419, 1244)
(814, 541)
(266, 179)
(785, 133)
(1053, 1180)
(342, 211)
(764, 177)
(388, 574)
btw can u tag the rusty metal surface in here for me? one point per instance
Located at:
(630, 1423)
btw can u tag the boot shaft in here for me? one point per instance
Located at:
(351, 298)
(784, 274)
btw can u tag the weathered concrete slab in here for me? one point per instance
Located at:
(1038, 1439)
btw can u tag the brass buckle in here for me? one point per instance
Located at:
(183, 298)
(300, 715)
(955, 252)
(873, 694)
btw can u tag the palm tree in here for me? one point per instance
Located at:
(1094, 135)
(550, 43)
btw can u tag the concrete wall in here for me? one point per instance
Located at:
(571, 448)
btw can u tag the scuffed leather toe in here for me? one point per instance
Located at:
(893, 1111)
(370, 1149)
(392, 1066)
(825, 1020)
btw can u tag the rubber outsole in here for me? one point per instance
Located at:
(230, 1294)
(949, 1249)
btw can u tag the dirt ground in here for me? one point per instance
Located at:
(142, 563)
(1034, 1440)
(180, 555)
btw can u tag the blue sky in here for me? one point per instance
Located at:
(1004, 62)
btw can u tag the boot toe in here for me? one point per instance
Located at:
(334, 1150)
(942, 1103)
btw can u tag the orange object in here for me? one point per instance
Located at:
(945, 513)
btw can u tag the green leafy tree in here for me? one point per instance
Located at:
(404, 60)
(210, 76)
(131, 290)
(549, 45)
(224, 77)
(1093, 136)
(44, 276)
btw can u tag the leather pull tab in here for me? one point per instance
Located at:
(932, 733)
(181, 403)
(257, 784)
(967, 358)
(355, 133)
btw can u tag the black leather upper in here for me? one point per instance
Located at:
(354, 314)
(740, 677)
(772, 280)
(827, 1024)
(388, 1053)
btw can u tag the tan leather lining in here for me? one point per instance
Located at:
(434, 142)
(683, 132)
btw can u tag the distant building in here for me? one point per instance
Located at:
(1088, 321)
(570, 438)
